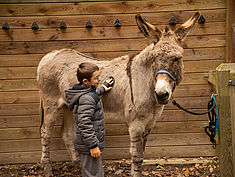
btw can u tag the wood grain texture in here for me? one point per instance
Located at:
(176, 134)
(103, 46)
(96, 33)
(107, 7)
(113, 153)
(32, 60)
(107, 20)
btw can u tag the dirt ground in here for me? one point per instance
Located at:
(205, 167)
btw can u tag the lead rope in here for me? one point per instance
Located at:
(213, 128)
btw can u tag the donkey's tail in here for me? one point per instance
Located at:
(41, 110)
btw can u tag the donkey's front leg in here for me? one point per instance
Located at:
(136, 131)
(145, 137)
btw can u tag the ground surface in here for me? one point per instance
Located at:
(160, 167)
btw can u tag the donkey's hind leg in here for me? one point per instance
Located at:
(51, 113)
(67, 134)
(136, 131)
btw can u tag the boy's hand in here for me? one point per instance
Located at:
(95, 152)
(108, 84)
(106, 88)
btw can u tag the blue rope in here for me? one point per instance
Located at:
(217, 127)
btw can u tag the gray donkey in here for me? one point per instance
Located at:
(144, 85)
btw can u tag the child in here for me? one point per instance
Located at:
(88, 113)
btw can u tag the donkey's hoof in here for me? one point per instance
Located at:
(47, 170)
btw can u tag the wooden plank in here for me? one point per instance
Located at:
(201, 66)
(232, 103)
(194, 78)
(103, 45)
(204, 53)
(154, 140)
(31, 72)
(230, 31)
(20, 60)
(50, 1)
(84, 8)
(30, 60)
(18, 73)
(75, 21)
(19, 97)
(16, 85)
(194, 102)
(33, 96)
(31, 84)
(23, 121)
(110, 130)
(179, 115)
(113, 154)
(33, 108)
(192, 90)
(25, 133)
(17, 121)
(96, 33)
(19, 109)
(224, 108)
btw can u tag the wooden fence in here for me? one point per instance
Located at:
(176, 134)
(225, 84)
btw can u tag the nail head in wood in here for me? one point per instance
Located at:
(89, 24)
(34, 26)
(5, 26)
(172, 21)
(201, 20)
(117, 23)
(62, 25)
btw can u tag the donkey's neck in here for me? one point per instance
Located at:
(142, 77)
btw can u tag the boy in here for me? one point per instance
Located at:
(88, 113)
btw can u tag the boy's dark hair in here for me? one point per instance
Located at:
(85, 71)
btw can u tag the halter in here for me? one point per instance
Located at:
(169, 74)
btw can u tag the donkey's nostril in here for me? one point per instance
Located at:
(163, 96)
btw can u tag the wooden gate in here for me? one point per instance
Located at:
(176, 134)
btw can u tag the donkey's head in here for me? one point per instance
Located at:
(165, 57)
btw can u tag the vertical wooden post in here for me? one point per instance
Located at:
(232, 103)
(226, 111)
(230, 32)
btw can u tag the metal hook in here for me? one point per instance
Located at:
(5, 26)
(172, 21)
(62, 25)
(117, 23)
(89, 24)
(201, 20)
(34, 26)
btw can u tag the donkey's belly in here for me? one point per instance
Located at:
(114, 117)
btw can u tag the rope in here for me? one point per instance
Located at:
(190, 112)
(213, 128)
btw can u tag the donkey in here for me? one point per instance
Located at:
(144, 85)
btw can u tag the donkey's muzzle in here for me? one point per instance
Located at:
(162, 98)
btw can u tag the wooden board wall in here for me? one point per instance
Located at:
(176, 134)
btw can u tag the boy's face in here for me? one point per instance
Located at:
(95, 79)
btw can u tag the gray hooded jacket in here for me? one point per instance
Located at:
(89, 129)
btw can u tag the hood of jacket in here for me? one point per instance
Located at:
(75, 92)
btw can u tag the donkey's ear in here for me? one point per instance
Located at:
(150, 31)
(182, 31)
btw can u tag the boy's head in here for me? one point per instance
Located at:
(88, 74)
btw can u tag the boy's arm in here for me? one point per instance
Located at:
(86, 110)
(100, 90)
(107, 86)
